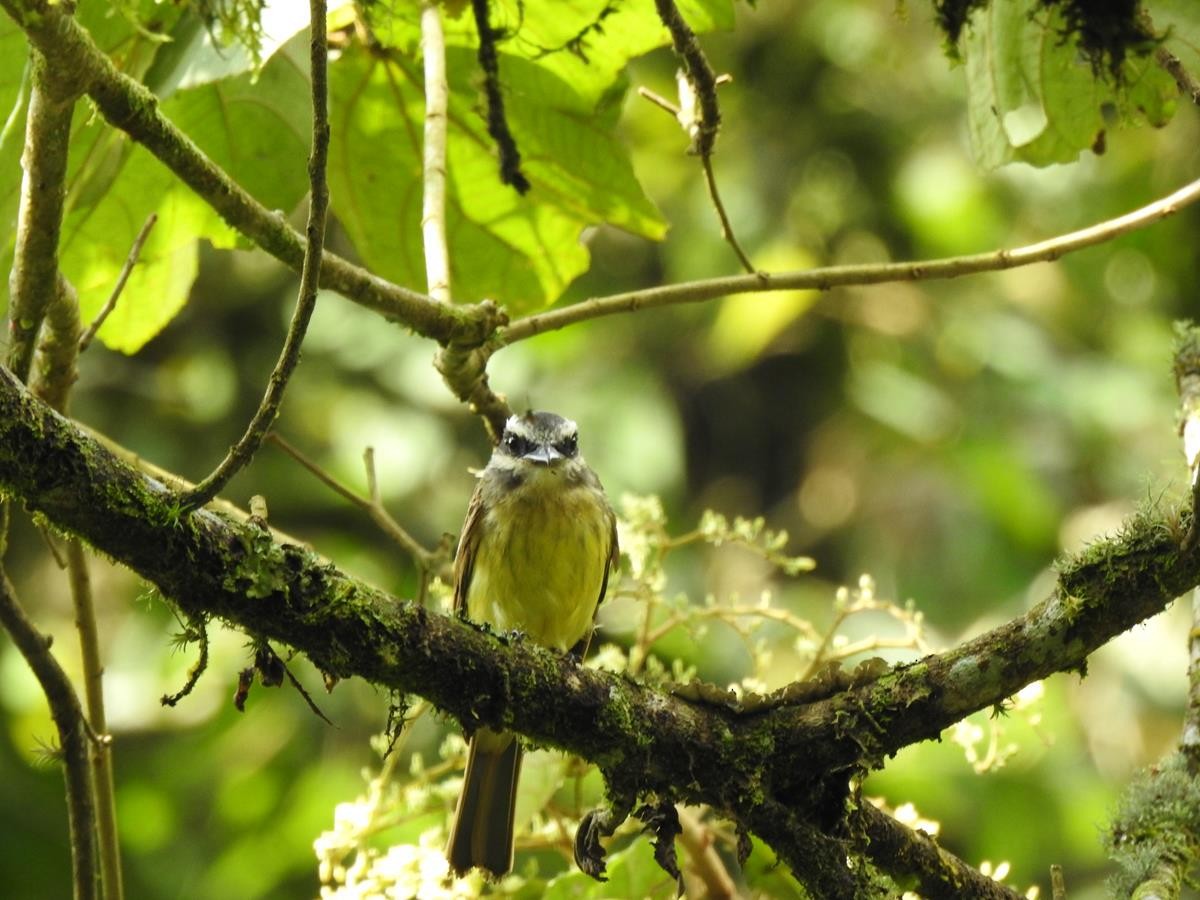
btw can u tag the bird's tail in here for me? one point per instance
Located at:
(482, 831)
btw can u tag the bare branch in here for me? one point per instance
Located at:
(824, 279)
(243, 451)
(464, 369)
(698, 112)
(1184, 80)
(704, 863)
(126, 270)
(425, 560)
(34, 281)
(433, 210)
(101, 757)
(714, 194)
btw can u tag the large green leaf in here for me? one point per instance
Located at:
(253, 126)
(560, 65)
(587, 43)
(1032, 97)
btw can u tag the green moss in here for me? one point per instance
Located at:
(1155, 833)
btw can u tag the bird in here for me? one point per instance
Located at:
(536, 550)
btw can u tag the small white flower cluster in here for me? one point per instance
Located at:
(984, 747)
(403, 871)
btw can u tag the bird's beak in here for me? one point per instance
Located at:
(543, 454)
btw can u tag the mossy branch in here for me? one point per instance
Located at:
(753, 762)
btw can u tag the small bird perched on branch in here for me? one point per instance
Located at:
(537, 545)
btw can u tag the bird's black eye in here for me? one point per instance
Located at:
(515, 444)
(568, 446)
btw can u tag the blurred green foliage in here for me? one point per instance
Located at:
(952, 439)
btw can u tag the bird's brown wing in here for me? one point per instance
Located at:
(468, 544)
(579, 651)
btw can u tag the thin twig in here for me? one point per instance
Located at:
(659, 100)
(1186, 82)
(704, 862)
(698, 112)
(497, 124)
(824, 279)
(126, 270)
(312, 704)
(700, 75)
(714, 195)
(200, 631)
(433, 209)
(243, 451)
(1058, 883)
(93, 685)
(72, 736)
(426, 560)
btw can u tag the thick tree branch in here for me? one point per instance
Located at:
(128, 105)
(787, 756)
(824, 279)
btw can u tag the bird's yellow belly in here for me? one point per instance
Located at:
(539, 567)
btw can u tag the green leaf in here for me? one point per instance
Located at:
(1032, 97)
(560, 67)
(586, 43)
(521, 251)
(96, 240)
(254, 128)
(197, 56)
